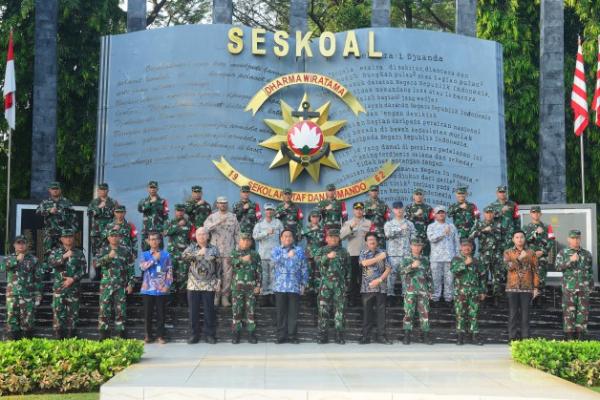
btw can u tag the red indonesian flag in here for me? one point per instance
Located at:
(596, 101)
(579, 95)
(299, 215)
(257, 211)
(550, 232)
(10, 86)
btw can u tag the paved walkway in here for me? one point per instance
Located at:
(310, 371)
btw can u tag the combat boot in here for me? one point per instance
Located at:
(59, 334)
(236, 338)
(568, 336)
(28, 334)
(252, 338)
(322, 339)
(406, 338)
(460, 340)
(339, 338)
(104, 334)
(72, 333)
(123, 334)
(477, 339)
(427, 338)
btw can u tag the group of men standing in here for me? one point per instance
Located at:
(227, 258)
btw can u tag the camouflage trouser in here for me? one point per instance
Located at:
(20, 313)
(576, 308)
(180, 273)
(243, 303)
(466, 309)
(65, 308)
(416, 302)
(267, 277)
(96, 242)
(226, 275)
(393, 276)
(112, 296)
(493, 265)
(331, 297)
(314, 276)
(51, 241)
(442, 276)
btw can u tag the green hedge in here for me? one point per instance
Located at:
(576, 361)
(42, 365)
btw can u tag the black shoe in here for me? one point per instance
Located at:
(122, 334)
(406, 338)
(252, 339)
(280, 340)
(13, 335)
(339, 338)
(364, 340)
(211, 340)
(59, 335)
(382, 340)
(322, 339)
(236, 338)
(477, 340)
(72, 333)
(27, 334)
(568, 336)
(460, 340)
(104, 334)
(427, 339)
(294, 340)
(193, 340)
(580, 336)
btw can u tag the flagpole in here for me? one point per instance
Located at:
(582, 169)
(7, 227)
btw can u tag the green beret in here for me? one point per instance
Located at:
(120, 208)
(331, 186)
(535, 209)
(418, 191)
(179, 207)
(196, 188)
(374, 188)
(315, 213)
(21, 239)
(417, 241)
(245, 189)
(287, 191)
(67, 232)
(113, 232)
(359, 205)
(574, 233)
(501, 189)
(153, 184)
(333, 232)
(461, 190)
(54, 185)
(246, 235)
(488, 209)
(103, 186)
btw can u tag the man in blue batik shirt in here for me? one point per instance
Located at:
(290, 279)
(376, 267)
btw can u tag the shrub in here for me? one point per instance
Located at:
(576, 361)
(63, 365)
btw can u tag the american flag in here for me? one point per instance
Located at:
(596, 101)
(579, 94)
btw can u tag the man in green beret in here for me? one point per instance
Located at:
(197, 208)
(577, 283)
(180, 232)
(464, 214)
(507, 213)
(127, 231)
(540, 238)
(58, 214)
(378, 213)
(100, 211)
(314, 234)
(421, 215)
(289, 213)
(155, 212)
(333, 211)
(246, 211)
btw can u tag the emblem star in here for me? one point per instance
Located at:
(286, 130)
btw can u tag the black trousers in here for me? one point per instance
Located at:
(287, 314)
(355, 279)
(150, 303)
(368, 301)
(518, 303)
(202, 299)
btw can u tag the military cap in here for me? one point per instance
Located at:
(67, 232)
(535, 209)
(315, 212)
(331, 186)
(54, 185)
(466, 241)
(245, 189)
(398, 204)
(438, 209)
(246, 235)
(418, 191)
(417, 241)
(333, 232)
(374, 188)
(287, 191)
(196, 188)
(461, 190)
(488, 209)
(359, 205)
(269, 206)
(574, 233)
(501, 188)
(103, 186)
(180, 207)
(120, 208)
(20, 239)
(153, 184)
(113, 232)
(221, 199)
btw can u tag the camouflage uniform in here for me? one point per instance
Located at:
(155, 215)
(65, 302)
(291, 217)
(246, 278)
(247, 217)
(577, 284)
(508, 219)
(128, 234)
(418, 288)
(399, 234)
(378, 213)
(117, 275)
(335, 278)
(543, 242)
(180, 238)
(469, 284)
(197, 211)
(334, 217)
(55, 223)
(464, 218)
(100, 217)
(23, 289)
(421, 215)
(315, 239)
(490, 250)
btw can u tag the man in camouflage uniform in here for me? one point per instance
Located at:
(100, 211)
(246, 211)
(58, 214)
(333, 211)
(266, 235)
(116, 263)
(418, 290)
(334, 267)
(488, 232)
(378, 213)
(469, 290)
(463, 213)
(180, 232)
(290, 214)
(155, 211)
(421, 215)
(314, 234)
(23, 290)
(577, 284)
(196, 208)
(245, 285)
(506, 212)
(398, 232)
(68, 265)
(540, 238)
(127, 231)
